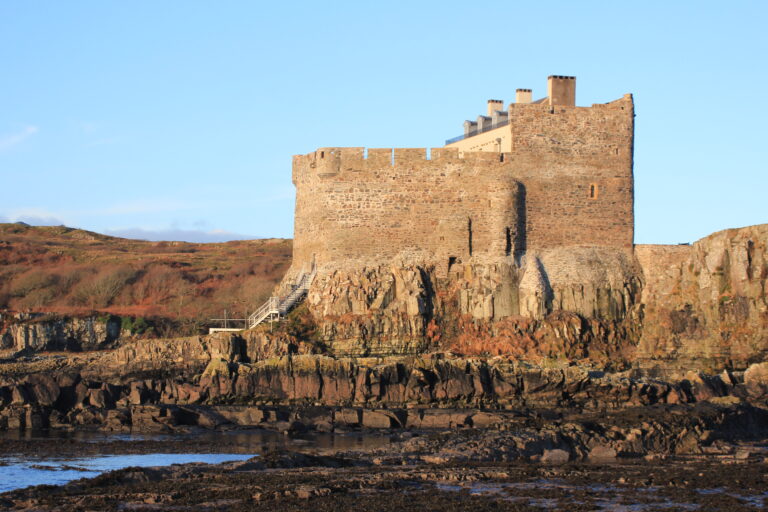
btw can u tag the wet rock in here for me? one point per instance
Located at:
(602, 453)
(756, 379)
(555, 456)
(380, 419)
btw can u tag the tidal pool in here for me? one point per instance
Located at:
(56, 457)
(17, 473)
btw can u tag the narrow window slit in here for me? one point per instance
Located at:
(469, 235)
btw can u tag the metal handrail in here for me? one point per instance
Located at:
(276, 307)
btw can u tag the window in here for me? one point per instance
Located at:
(469, 233)
(593, 191)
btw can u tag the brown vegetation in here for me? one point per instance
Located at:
(73, 272)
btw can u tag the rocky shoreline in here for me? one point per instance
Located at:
(437, 470)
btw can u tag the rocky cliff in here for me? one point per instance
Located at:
(574, 304)
(704, 305)
(210, 381)
(699, 306)
(37, 332)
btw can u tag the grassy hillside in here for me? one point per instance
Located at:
(74, 272)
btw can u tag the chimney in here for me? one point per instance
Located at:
(561, 90)
(494, 105)
(523, 96)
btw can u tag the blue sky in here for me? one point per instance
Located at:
(178, 119)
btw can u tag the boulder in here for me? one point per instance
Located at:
(756, 379)
(602, 453)
(380, 419)
(555, 456)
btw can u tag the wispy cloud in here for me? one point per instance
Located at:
(33, 216)
(179, 235)
(43, 216)
(9, 141)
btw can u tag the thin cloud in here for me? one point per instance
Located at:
(33, 217)
(15, 139)
(179, 235)
(34, 220)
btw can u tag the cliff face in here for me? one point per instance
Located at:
(42, 332)
(575, 303)
(705, 305)
(700, 306)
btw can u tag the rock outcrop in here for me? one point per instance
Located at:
(705, 305)
(702, 306)
(39, 332)
(164, 384)
(574, 304)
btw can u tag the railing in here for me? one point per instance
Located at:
(275, 307)
(271, 307)
(472, 133)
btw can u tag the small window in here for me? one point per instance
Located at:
(322, 154)
(469, 235)
(593, 191)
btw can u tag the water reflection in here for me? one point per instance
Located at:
(56, 464)
(236, 441)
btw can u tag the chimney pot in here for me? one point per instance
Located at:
(494, 105)
(561, 90)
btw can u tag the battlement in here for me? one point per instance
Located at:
(356, 156)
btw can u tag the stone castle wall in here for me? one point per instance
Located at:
(566, 182)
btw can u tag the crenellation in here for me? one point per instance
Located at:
(379, 157)
(445, 154)
(405, 156)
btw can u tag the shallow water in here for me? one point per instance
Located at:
(612, 501)
(18, 470)
(17, 473)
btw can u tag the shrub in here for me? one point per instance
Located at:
(135, 326)
(34, 280)
(99, 291)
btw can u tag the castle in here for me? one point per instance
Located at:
(516, 238)
(539, 175)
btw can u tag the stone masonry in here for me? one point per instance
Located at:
(566, 182)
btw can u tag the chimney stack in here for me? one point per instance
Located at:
(523, 96)
(561, 90)
(494, 105)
